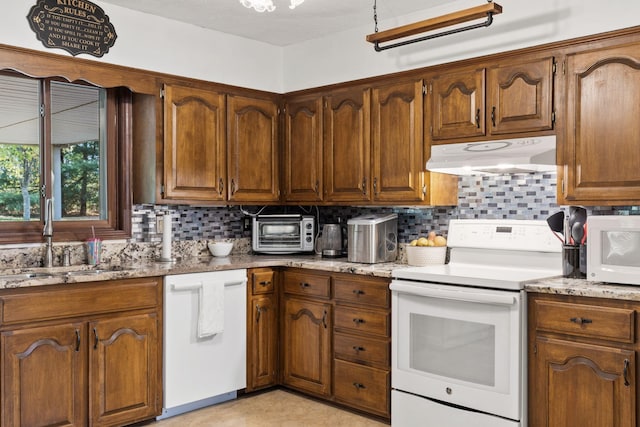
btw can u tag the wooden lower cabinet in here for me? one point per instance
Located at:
(362, 387)
(333, 339)
(262, 329)
(582, 363)
(123, 360)
(307, 345)
(90, 364)
(44, 376)
(362, 349)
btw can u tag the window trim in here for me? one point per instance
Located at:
(119, 199)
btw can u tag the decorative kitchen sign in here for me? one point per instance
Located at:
(77, 26)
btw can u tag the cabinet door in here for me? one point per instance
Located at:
(194, 144)
(457, 105)
(579, 385)
(262, 343)
(43, 376)
(521, 96)
(303, 150)
(602, 135)
(347, 145)
(307, 346)
(123, 369)
(397, 142)
(252, 153)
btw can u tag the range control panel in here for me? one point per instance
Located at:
(523, 235)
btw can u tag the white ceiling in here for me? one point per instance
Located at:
(282, 27)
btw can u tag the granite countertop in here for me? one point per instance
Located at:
(28, 277)
(584, 288)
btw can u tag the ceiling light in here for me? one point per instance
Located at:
(267, 5)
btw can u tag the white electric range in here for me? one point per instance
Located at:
(459, 329)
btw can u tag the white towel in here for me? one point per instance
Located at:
(211, 309)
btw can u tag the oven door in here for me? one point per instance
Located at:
(460, 345)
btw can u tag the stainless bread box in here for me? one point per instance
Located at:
(372, 238)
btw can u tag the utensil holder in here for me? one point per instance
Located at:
(571, 262)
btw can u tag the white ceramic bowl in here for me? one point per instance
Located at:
(220, 248)
(426, 255)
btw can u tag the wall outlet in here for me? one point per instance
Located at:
(159, 223)
(247, 223)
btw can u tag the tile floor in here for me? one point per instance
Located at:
(279, 408)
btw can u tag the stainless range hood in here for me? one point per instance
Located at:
(521, 155)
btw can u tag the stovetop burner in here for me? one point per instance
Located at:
(499, 254)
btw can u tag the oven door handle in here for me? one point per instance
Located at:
(467, 296)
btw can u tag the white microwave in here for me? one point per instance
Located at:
(613, 249)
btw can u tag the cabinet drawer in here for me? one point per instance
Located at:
(609, 323)
(363, 387)
(307, 284)
(362, 320)
(359, 349)
(262, 281)
(57, 302)
(362, 291)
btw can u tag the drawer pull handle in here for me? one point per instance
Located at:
(77, 340)
(265, 283)
(358, 349)
(258, 311)
(359, 386)
(324, 319)
(358, 321)
(358, 292)
(304, 285)
(625, 373)
(580, 320)
(96, 340)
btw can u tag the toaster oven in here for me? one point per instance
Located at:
(283, 234)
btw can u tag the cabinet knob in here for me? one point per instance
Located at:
(358, 321)
(304, 285)
(265, 283)
(358, 292)
(358, 348)
(359, 386)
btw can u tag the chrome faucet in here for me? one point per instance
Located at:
(47, 232)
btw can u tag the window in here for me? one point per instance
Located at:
(67, 142)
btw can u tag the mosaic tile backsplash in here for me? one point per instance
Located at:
(520, 196)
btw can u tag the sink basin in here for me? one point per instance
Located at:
(59, 272)
(25, 276)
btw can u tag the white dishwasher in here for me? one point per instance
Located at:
(204, 339)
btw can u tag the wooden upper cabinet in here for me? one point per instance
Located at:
(347, 145)
(303, 150)
(252, 149)
(194, 144)
(520, 96)
(397, 142)
(457, 104)
(602, 136)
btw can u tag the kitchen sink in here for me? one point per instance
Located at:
(82, 270)
(25, 276)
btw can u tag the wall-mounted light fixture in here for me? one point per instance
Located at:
(485, 11)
